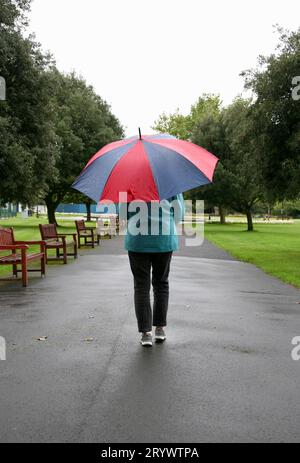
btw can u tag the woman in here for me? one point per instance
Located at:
(150, 241)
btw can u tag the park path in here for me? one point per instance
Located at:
(225, 373)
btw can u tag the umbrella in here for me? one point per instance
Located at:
(147, 168)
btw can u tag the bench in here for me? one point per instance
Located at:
(87, 233)
(19, 255)
(58, 242)
(108, 225)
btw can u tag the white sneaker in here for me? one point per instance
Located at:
(160, 335)
(147, 340)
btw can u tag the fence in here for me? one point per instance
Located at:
(8, 212)
(81, 209)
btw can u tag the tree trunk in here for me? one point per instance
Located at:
(51, 208)
(222, 215)
(88, 212)
(249, 220)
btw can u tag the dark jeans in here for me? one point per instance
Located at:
(141, 265)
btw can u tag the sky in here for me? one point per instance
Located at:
(147, 57)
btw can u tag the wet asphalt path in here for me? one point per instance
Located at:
(225, 373)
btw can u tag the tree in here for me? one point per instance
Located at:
(208, 105)
(83, 123)
(13, 13)
(277, 116)
(174, 124)
(27, 142)
(242, 162)
(50, 124)
(230, 135)
(210, 133)
(183, 126)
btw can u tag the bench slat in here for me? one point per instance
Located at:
(16, 258)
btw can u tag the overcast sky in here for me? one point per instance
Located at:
(146, 57)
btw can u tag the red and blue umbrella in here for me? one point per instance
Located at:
(148, 168)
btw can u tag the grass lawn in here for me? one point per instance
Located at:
(275, 248)
(28, 230)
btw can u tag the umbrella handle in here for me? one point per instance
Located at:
(140, 133)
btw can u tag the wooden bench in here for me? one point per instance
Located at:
(108, 225)
(19, 254)
(87, 233)
(58, 241)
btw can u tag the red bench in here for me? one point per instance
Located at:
(19, 254)
(87, 233)
(58, 241)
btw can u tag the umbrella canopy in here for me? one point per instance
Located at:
(148, 168)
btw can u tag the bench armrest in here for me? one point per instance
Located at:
(49, 239)
(13, 247)
(63, 236)
(87, 229)
(41, 243)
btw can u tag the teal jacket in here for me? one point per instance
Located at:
(157, 230)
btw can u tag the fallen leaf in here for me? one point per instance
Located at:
(88, 340)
